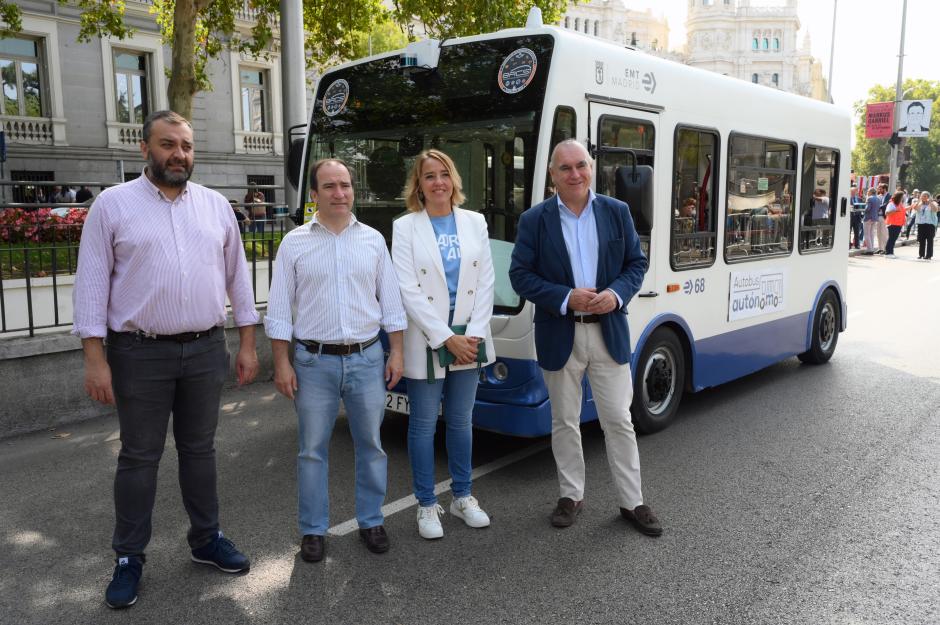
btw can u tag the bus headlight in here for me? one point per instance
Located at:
(500, 371)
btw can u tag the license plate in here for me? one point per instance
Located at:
(396, 402)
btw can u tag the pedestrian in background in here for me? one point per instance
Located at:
(894, 217)
(926, 211)
(445, 272)
(882, 224)
(163, 309)
(858, 204)
(911, 213)
(870, 220)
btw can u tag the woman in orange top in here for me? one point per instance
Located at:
(894, 218)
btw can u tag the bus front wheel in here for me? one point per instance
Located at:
(825, 331)
(660, 381)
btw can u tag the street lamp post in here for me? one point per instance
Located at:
(898, 97)
(832, 47)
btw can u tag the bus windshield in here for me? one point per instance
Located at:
(377, 117)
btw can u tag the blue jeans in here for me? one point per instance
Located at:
(459, 390)
(322, 381)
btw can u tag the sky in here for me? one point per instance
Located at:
(868, 39)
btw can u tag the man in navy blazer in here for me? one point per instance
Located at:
(578, 259)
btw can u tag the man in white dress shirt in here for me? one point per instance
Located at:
(334, 287)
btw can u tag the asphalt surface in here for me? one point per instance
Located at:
(799, 494)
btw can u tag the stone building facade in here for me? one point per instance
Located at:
(754, 43)
(73, 111)
(731, 37)
(612, 20)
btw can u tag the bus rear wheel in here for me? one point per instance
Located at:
(660, 381)
(825, 331)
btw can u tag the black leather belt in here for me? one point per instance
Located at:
(587, 318)
(182, 337)
(336, 349)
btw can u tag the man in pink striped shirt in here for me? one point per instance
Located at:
(158, 256)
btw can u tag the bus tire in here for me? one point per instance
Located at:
(826, 324)
(660, 381)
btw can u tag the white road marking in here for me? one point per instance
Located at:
(406, 502)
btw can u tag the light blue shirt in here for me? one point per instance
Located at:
(580, 233)
(445, 230)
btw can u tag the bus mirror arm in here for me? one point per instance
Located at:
(842, 207)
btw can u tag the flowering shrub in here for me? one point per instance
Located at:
(41, 225)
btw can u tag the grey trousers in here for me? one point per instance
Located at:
(152, 379)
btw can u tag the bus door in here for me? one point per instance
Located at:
(623, 143)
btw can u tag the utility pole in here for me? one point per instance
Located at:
(832, 47)
(294, 88)
(898, 97)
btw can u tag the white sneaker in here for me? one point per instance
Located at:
(890, 256)
(468, 509)
(429, 521)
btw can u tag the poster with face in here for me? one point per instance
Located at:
(915, 118)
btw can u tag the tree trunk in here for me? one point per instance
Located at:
(182, 85)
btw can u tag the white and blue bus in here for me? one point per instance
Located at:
(738, 191)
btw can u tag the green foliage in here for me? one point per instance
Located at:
(10, 15)
(384, 35)
(456, 18)
(334, 29)
(872, 156)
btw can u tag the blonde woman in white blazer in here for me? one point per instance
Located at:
(445, 271)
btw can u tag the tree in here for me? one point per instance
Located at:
(455, 18)
(872, 156)
(200, 30)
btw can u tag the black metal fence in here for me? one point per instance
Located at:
(39, 243)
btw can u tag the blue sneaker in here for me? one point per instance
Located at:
(222, 554)
(122, 591)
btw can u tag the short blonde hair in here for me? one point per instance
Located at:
(414, 199)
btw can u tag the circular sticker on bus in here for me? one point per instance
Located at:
(517, 71)
(335, 97)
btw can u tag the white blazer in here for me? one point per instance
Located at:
(424, 293)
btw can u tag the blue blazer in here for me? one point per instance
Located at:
(541, 273)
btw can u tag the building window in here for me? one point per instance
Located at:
(22, 80)
(586, 25)
(776, 44)
(694, 195)
(131, 86)
(754, 78)
(595, 28)
(567, 22)
(254, 87)
(577, 23)
(764, 43)
(761, 179)
(754, 43)
(776, 80)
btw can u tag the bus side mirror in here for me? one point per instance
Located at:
(295, 159)
(634, 185)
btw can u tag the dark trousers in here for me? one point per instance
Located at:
(151, 379)
(925, 234)
(856, 222)
(893, 233)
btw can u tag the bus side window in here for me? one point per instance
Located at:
(625, 136)
(818, 196)
(761, 179)
(563, 127)
(693, 234)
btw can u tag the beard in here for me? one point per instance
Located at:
(160, 172)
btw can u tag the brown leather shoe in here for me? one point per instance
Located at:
(312, 548)
(376, 539)
(565, 512)
(643, 519)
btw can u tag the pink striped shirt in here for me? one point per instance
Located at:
(150, 264)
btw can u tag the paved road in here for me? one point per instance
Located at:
(796, 495)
